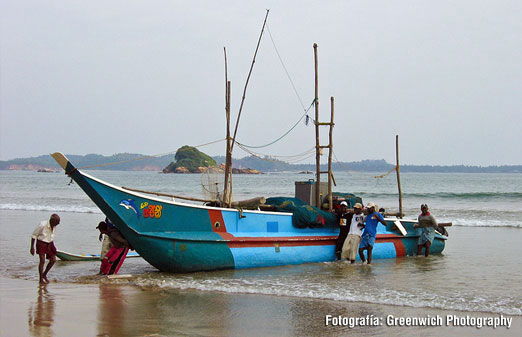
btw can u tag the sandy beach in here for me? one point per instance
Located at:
(113, 308)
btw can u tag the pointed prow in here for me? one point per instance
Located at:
(60, 159)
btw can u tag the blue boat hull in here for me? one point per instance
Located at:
(181, 237)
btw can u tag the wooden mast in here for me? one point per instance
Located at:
(228, 153)
(247, 80)
(227, 192)
(398, 174)
(317, 145)
(330, 152)
(231, 140)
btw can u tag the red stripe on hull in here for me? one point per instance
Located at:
(280, 243)
(281, 238)
(297, 241)
(400, 250)
(216, 220)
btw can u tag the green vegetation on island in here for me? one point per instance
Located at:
(189, 160)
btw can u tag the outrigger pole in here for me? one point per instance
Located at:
(230, 141)
(228, 155)
(398, 174)
(319, 147)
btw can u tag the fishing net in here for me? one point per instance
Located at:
(304, 215)
(351, 199)
(213, 183)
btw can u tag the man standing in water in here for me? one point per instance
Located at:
(44, 236)
(354, 235)
(427, 222)
(370, 232)
(344, 227)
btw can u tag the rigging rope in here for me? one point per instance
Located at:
(296, 92)
(293, 158)
(305, 155)
(384, 175)
(377, 177)
(285, 134)
(284, 67)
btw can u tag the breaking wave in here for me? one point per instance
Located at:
(51, 208)
(299, 289)
(449, 195)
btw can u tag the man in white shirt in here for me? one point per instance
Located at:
(351, 244)
(44, 237)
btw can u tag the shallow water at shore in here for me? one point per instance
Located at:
(471, 274)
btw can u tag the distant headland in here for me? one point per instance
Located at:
(139, 162)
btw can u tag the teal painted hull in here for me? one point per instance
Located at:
(179, 237)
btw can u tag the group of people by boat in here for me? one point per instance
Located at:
(358, 230)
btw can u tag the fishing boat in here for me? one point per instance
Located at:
(176, 236)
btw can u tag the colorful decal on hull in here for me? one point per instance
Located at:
(130, 204)
(151, 211)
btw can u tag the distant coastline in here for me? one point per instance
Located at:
(139, 162)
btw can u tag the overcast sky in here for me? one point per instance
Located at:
(148, 77)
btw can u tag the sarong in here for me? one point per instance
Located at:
(350, 247)
(113, 260)
(46, 248)
(367, 241)
(428, 234)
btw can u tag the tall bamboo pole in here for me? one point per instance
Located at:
(230, 141)
(247, 80)
(227, 191)
(317, 145)
(398, 174)
(228, 153)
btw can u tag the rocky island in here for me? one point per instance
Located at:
(191, 160)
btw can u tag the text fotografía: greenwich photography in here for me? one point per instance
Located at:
(437, 320)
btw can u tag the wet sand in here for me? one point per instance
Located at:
(115, 308)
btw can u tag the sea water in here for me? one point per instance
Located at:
(479, 270)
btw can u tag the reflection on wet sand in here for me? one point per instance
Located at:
(123, 312)
(41, 313)
(116, 310)
(111, 311)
